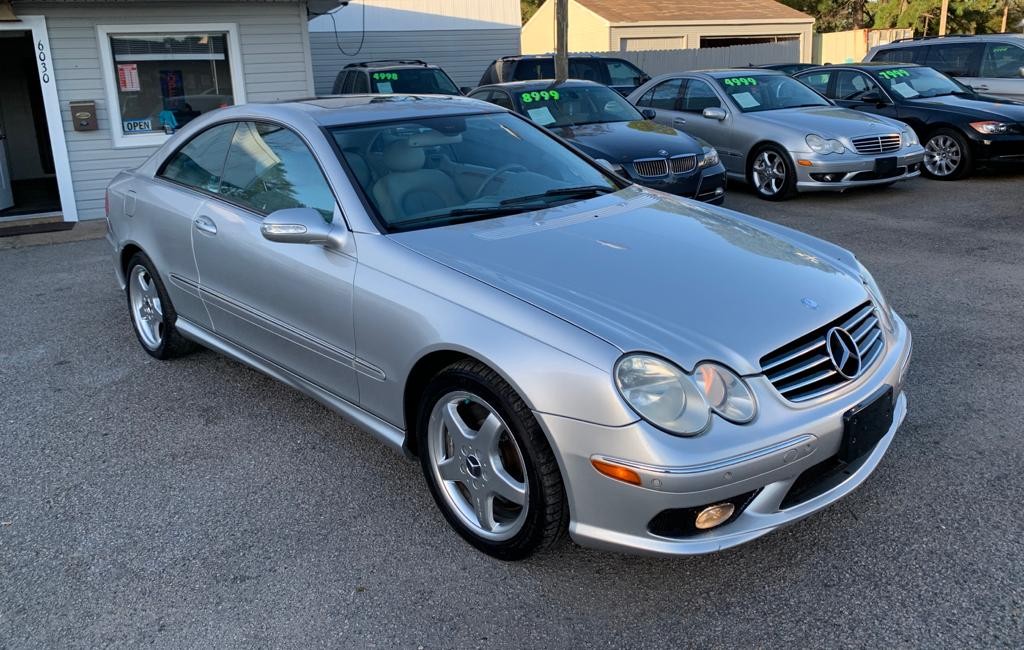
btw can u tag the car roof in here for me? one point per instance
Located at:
(362, 109)
(928, 40)
(387, 64)
(572, 55)
(719, 73)
(865, 65)
(538, 84)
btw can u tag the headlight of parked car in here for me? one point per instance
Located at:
(876, 294)
(710, 158)
(909, 138)
(680, 403)
(991, 128)
(819, 144)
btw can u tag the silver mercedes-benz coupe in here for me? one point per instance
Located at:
(561, 350)
(780, 136)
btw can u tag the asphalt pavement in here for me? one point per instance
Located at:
(198, 503)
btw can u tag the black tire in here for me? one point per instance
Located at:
(547, 512)
(788, 185)
(964, 166)
(172, 344)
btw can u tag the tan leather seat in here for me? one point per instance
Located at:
(408, 189)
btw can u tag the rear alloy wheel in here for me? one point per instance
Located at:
(488, 464)
(153, 316)
(772, 174)
(947, 157)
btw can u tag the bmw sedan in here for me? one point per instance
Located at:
(559, 349)
(778, 135)
(597, 120)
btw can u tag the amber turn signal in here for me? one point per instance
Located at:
(617, 472)
(805, 163)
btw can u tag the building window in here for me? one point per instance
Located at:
(161, 79)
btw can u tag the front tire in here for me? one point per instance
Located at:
(153, 316)
(947, 156)
(488, 464)
(771, 173)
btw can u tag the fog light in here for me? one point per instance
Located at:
(715, 515)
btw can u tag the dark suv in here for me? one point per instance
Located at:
(411, 77)
(618, 74)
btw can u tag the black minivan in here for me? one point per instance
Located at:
(619, 74)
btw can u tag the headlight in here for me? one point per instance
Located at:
(876, 294)
(677, 402)
(710, 158)
(909, 138)
(991, 128)
(725, 392)
(819, 144)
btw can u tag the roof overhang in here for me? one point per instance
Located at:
(316, 7)
(713, 21)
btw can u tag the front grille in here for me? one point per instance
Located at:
(803, 369)
(683, 164)
(651, 167)
(877, 143)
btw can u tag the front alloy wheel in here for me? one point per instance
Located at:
(771, 174)
(946, 156)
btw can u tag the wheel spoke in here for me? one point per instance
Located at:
(506, 487)
(449, 469)
(489, 433)
(457, 427)
(483, 506)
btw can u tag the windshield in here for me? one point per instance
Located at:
(575, 106)
(413, 81)
(437, 171)
(911, 83)
(753, 93)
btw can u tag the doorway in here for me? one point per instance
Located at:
(28, 180)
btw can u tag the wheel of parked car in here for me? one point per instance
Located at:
(947, 156)
(488, 464)
(152, 313)
(771, 173)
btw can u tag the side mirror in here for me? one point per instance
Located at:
(648, 113)
(714, 113)
(607, 165)
(1021, 71)
(465, 90)
(873, 97)
(301, 226)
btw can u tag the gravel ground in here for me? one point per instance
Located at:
(199, 504)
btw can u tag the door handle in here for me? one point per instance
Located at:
(678, 120)
(981, 87)
(205, 224)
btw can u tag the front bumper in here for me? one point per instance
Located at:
(998, 148)
(707, 185)
(848, 170)
(763, 459)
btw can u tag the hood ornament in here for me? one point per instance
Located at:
(809, 303)
(662, 153)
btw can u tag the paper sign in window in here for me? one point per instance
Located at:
(541, 115)
(384, 87)
(128, 77)
(746, 100)
(905, 89)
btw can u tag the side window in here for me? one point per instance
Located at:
(200, 162)
(359, 83)
(623, 74)
(270, 168)
(589, 69)
(501, 98)
(490, 75)
(851, 84)
(901, 55)
(339, 83)
(818, 81)
(1002, 61)
(528, 69)
(664, 95)
(955, 59)
(697, 96)
(350, 78)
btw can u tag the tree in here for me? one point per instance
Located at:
(529, 7)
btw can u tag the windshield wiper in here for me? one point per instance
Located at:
(458, 215)
(561, 192)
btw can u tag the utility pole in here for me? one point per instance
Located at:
(561, 40)
(942, 17)
(1006, 10)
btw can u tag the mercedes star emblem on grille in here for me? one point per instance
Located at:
(843, 351)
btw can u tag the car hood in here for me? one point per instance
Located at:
(982, 106)
(827, 121)
(647, 271)
(627, 141)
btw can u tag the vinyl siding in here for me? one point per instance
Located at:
(464, 54)
(273, 39)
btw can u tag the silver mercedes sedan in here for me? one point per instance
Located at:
(559, 349)
(779, 136)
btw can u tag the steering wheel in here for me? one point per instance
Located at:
(504, 169)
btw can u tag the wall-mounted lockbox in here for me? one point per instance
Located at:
(83, 116)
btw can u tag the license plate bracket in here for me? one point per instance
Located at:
(885, 166)
(865, 424)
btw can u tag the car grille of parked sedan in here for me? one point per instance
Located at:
(683, 164)
(877, 143)
(651, 167)
(803, 369)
